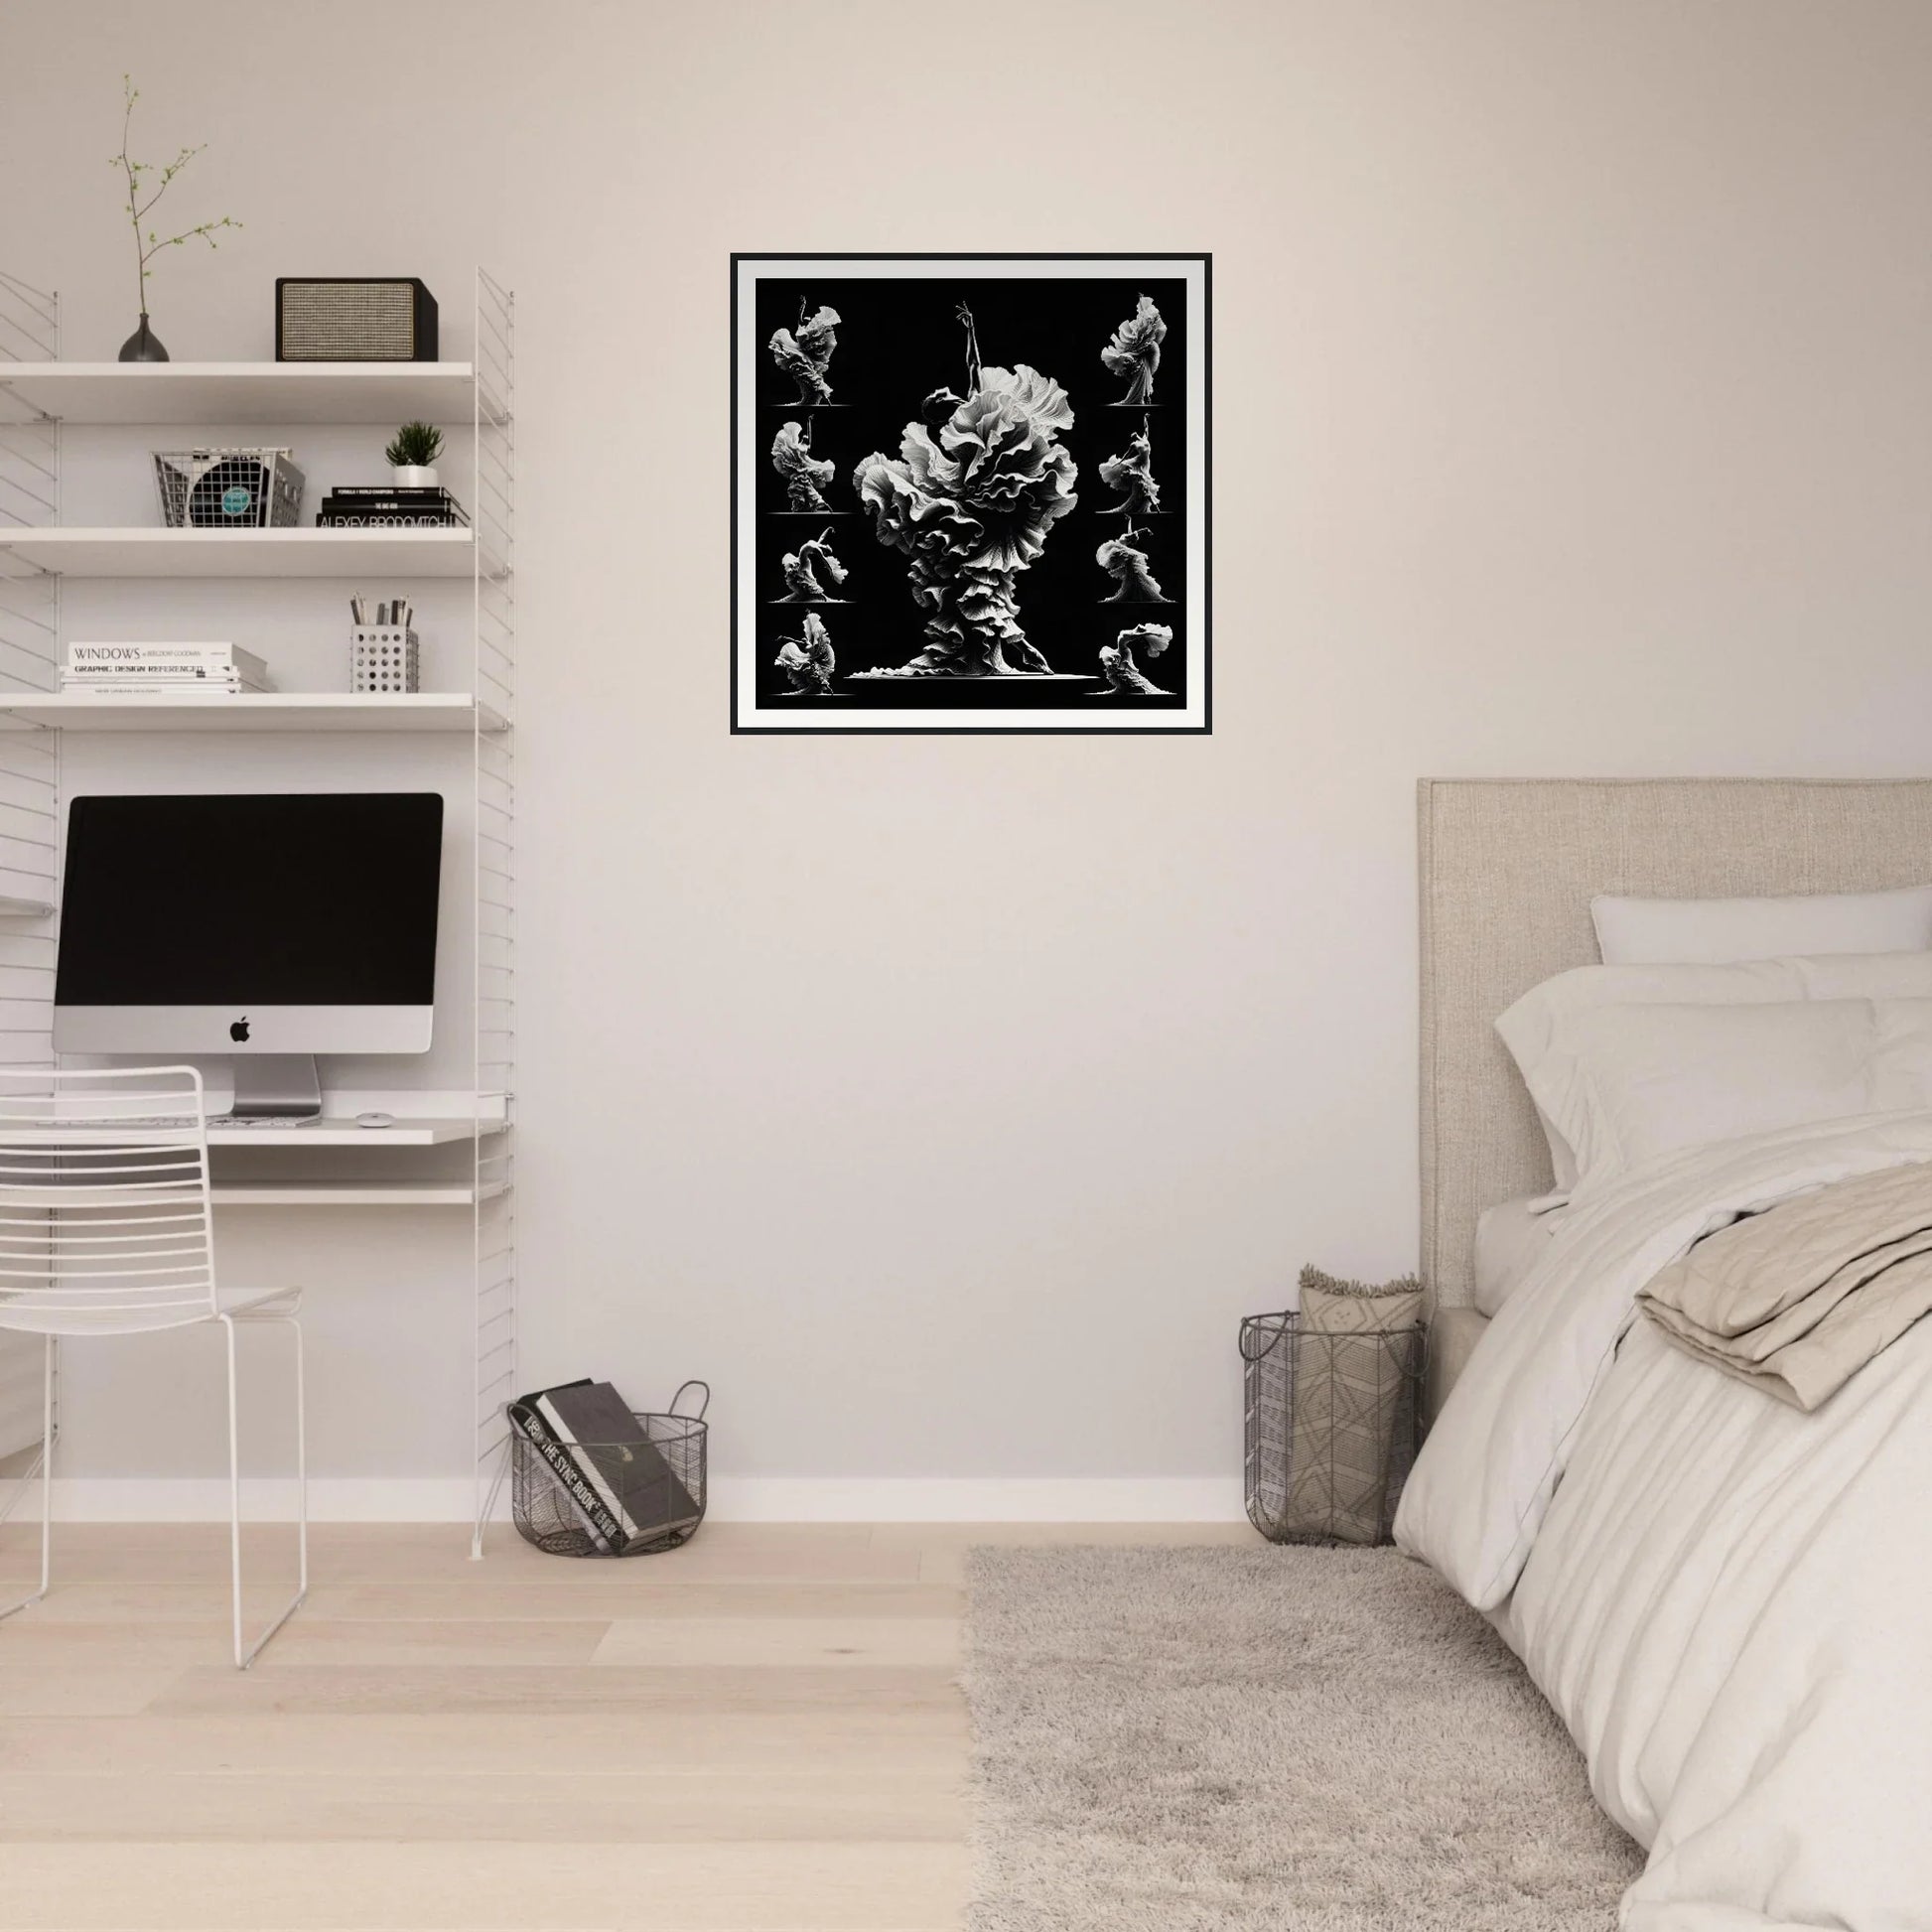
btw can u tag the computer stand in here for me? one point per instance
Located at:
(276, 1086)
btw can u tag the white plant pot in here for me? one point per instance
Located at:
(413, 475)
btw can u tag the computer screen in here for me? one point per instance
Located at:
(277, 922)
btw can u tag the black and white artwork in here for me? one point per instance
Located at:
(970, 493)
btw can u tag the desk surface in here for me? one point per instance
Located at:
(431, 1131)
(332, 1132)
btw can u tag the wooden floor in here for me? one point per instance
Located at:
(759, 1733)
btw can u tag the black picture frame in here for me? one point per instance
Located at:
(1015, 581)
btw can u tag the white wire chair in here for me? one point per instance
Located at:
(106, 1229)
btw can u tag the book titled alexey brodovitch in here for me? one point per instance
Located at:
(377, 506)
(617, 1479)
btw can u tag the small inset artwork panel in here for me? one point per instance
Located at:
(970, 493)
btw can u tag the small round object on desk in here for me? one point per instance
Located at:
(376, 1120)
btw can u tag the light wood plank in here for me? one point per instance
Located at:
(78, 1689)
(848, 1642)
(191, 1553)
(468, 1888)
(450, 1691)
(185, 1645)
(660, 1807)
(272, 1742)
(622, 1600)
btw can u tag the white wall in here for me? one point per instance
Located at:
(945, 1100)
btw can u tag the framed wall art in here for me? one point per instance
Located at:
(970, 493)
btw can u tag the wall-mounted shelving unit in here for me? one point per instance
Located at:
(39, 395)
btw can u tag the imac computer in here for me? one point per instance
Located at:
(266, 926)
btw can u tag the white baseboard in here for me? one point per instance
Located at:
(733, 1499)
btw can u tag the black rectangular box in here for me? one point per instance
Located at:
(353, 319)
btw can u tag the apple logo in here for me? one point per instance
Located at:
(239, 1030)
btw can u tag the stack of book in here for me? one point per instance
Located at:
(616, 1479)
(386, 506)
(118, 670)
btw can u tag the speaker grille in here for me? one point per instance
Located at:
(349, 322)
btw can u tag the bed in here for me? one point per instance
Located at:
(1725, 1598)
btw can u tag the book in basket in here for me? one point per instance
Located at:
(635, 1496)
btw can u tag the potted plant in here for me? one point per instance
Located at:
(411, 456)
(144, 346)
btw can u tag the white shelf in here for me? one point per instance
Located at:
(428, 1131)
(245, 392)
(24, 908)
(264, 711)
(310, 552)
(346, 1193)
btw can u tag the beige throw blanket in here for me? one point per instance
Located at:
(1799, 1298)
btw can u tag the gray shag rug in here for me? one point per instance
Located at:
(1296, 1739)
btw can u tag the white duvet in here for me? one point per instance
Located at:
(1729, 1602)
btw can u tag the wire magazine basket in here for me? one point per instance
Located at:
(228, 488)
(659, 1499)
(1332, 1428)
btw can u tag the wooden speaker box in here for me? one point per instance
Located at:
(353, 319)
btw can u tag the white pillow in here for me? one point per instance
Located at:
(1627, 1084)
(1655, 931)
(1531, 1026)
(1511, 1238)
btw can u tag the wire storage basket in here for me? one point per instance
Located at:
(227, 489)
(614, 1499)
(1332, 1428)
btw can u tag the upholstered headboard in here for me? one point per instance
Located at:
(1508, 867)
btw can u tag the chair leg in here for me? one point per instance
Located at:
(47, 1483)
(245, 1652)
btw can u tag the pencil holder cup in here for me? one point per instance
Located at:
(383, 659)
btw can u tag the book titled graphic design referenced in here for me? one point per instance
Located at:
(122, 667)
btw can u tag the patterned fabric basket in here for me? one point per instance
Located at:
(1332, 1428)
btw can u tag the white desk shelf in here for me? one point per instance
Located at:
(438, 1131)
(220, 393)
(349, 1193)
(46, 564)
(346, 1133)
(264, 711)
(75, 551)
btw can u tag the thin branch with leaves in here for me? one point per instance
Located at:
(148, 244)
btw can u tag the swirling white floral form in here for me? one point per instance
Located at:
(1133, 353)
(808, 662)
(1127, 566)
(807, 356)
(1117, 665)
(977, 487)
(1132, 473)
(792, 456)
